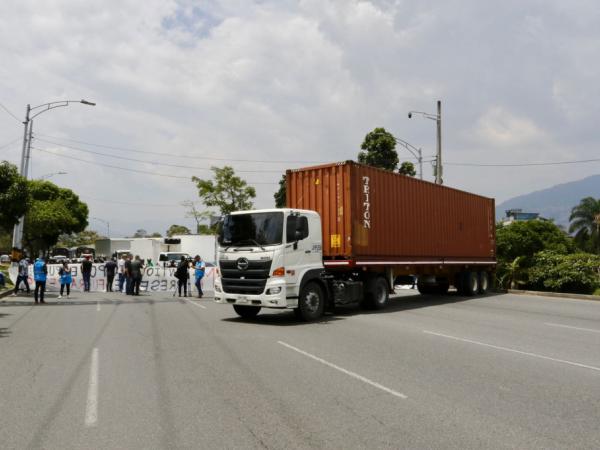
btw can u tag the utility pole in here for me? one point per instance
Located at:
(438, 165)
(17, 243)
(18, 228)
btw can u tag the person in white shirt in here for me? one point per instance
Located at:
(121, 269)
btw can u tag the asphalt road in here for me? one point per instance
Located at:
(105, 371)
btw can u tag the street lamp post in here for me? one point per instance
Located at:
(49, 175)
(26, 154)
(438, 119)
(416, 152)
(106, 222)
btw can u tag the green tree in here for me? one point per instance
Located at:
(407, 168)
(177, 229)
(585, 223)
(140, 233)
(577, 272)
(227, 192)
(281, 193)
(156, 234)
(526, 238)
(14, 196)
(83, 238)
(54, 211)
(379, 150)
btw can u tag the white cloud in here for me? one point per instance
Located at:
(286, 80)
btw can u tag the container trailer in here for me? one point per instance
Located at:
(347, 232)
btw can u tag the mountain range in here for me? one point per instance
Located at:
(554, 202)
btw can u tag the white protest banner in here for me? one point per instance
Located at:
(154, 279)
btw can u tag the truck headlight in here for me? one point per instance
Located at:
(217, 288)
(274, 290)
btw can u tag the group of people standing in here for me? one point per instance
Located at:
(130, 271)
(130, 274)
(182, 274)
(40, 276)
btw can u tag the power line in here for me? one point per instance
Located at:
(156, 163)
(553, 163)
(9, 143)
(10, 113)
(147, 152)
(147, 172)
(118, 202)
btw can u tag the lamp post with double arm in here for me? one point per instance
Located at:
(438, 119)
(17, 243)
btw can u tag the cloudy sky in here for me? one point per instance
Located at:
(267, 85)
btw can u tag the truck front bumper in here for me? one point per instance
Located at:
(274, 296)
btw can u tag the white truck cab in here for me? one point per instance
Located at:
(268, 258)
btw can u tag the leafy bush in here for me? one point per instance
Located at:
(576, 273)
(528, 238)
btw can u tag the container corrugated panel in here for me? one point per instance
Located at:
(373, 214)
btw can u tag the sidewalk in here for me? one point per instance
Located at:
(595, 298)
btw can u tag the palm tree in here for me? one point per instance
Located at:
(585, 223)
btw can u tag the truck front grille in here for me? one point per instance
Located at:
(251, 280)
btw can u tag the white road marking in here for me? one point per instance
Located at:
(347, 372)
(497, 347)
(97, 306)
(196, 304)
(91, 407)
(573, 328)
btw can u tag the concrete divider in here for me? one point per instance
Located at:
(555, 294)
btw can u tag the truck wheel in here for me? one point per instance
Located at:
(377, 293)
(442, 287)
(426, 289)
(247, 312)
(311, 302)
(459, 283)
(470, 283)
(484, 282)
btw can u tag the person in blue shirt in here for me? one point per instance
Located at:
(65, 279)
(199, 269)
(40, 272)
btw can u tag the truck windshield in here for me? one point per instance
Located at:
(253, 229)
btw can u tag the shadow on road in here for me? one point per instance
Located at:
(53, 302)
(4, 332)
(404, 302)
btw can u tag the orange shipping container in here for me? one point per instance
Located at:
(369, 214)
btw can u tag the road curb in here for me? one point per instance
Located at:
(6, 293)
(594, 298)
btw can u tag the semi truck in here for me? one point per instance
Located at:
(347, 232)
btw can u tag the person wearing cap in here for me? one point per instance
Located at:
(40, 272)
(86, 273)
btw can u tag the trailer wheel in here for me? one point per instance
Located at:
(459, 283)
(484, 282)
(426, 289)
(247, 312)
(377, 293)
(470, 283)
(311, 302)
(442, 287)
